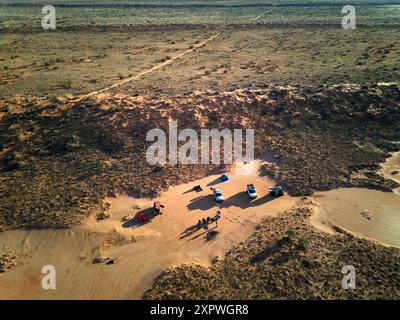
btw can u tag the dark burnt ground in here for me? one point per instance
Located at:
(287, 258)
(58, 164)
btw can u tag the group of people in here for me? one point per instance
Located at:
(203, 223)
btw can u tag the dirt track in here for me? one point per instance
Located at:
(152, 69)
(163, 64)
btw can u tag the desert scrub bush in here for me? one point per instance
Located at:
(303, 244)
(7, 262)
(77, 60)
(66, 84)
(22, 137)
(289, 234)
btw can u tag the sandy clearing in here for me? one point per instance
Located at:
(371, 214)
(368, 213)
(143, 251)
(157, 245)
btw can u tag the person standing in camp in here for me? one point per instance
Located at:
(204, 224)
(217, 217)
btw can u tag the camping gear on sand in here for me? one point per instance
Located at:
(142, 217)
(197, 188)
(224, 178)
(158, 208)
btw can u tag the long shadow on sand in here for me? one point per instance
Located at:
(195, 199)
(242, 201)
(202, 203)
(189, 231)
(134, 222)
(205, 233)
(239, 200)
(189, 191)
(210, 233)
(214, 182)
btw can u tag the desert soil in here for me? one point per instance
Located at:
(370, 213)
(287, 258)
(140, 252)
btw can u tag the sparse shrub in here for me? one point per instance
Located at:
(289, 234)
(303, 244)
(66, 84)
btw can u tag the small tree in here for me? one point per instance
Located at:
(289, 234)
(303, 244)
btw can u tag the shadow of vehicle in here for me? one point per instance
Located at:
(134, 222)
(241, 200)
(194, 199)
(202, 203)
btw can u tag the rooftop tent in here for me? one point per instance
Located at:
(224, 178)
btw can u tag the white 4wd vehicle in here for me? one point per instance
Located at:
(217, 193)
(251, 191)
